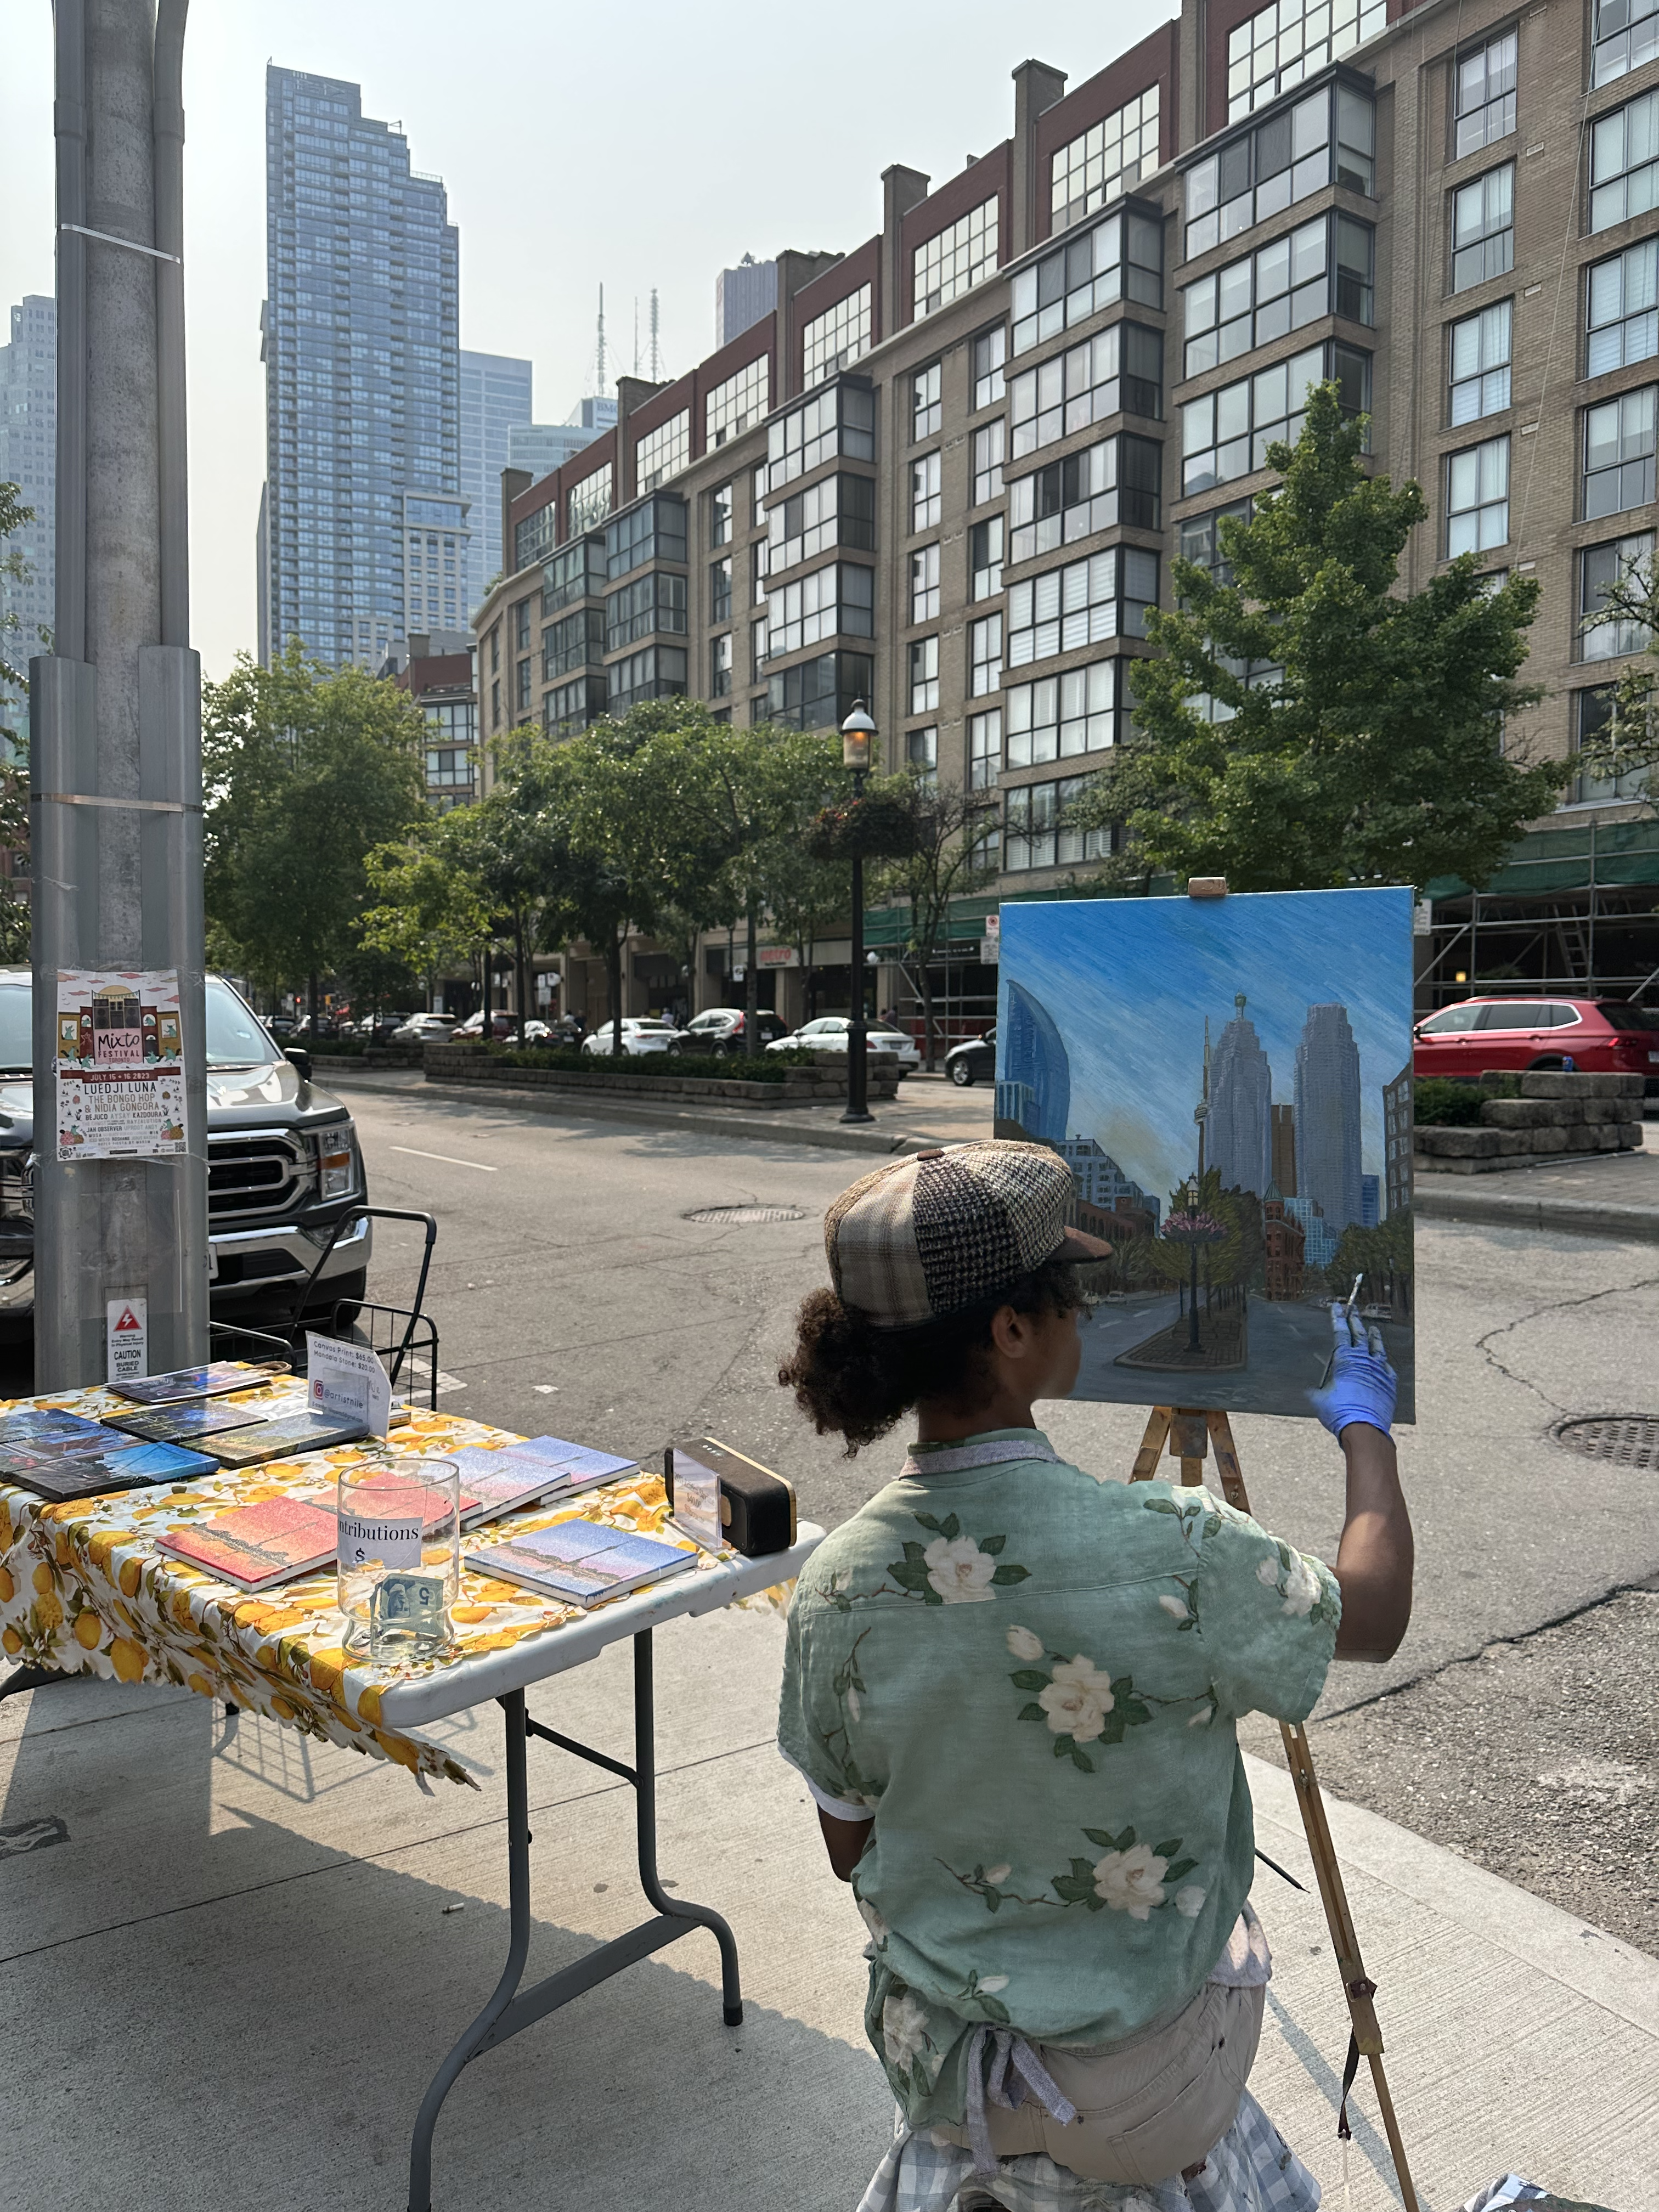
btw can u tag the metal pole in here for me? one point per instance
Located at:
(857, 1069)
(115, 713)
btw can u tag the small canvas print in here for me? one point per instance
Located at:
(1230, 1082)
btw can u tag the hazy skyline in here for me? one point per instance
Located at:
(770, 136)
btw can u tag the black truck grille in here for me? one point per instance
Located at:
(250, 1177)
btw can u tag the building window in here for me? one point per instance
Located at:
(984, 558)
(1121, 369)
(921, 755)
(816, 695)
(1625, 160)
(925, 500)
(1085, 602)
(1478, 358)
(1626, 561)
(1266, 170)
(652, 603)
(533, 539)
(758, 650)
(720, 590)
(1627, 35)
(1483, 228)
(521, 625)
(588, 502)
(990, 352)
(659, 672)
(757, 571)
(575, 705)
(1033, 831)
(1121, 258)
(1323, 267)
(1283, 45)
(653, 530)
(449, 771)
(1107, 160)
(990, 445)
(924, 675)
(984, 656)
(575, 572)
(1227, 434)
(495, 649)
(662, 452)
(1621, 309)
(837, 424)
(925, 411)
(521, 685)
(1118, 481)
(1211, 707)
(1619, 452)
(720, 516)
(1593, 711)
(738, 403)
(837, 337)
(839, 510)
(578, 642)
(984, 750)
(953, 261)
(1486, 94)
(1477, 497)
(1059, 716)
(758, 518)
(924, 584)
(720, 665)
(839, 599)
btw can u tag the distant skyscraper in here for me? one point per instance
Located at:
(363, 529)
(1328, 1117)
(1370, 1202)
(1320, 1242)
(541, 447)
(28, 458)
(1034, 1076)
(1239, 1135)
(742, 296)
(1285, 1150)
(1397, 1144)
(495, 400)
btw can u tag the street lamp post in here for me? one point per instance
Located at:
(858, 739)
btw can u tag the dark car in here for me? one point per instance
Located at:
(1595, 1037)
(725, 1028)
(974, 1061)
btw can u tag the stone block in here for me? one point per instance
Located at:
(1457, 1143)
(1606, 1135)
(1581, 1139)
(1630, 1136)
(1512, 1143)
(1549, 1140)
(1554, 1083)
(1519, 1113)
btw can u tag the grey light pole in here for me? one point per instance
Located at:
(858, 741)
(115, 711)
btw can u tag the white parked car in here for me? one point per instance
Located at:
(638, 1036)
(829, 1034)
(425, 1029)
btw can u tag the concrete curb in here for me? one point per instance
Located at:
(730, 1123)
(1581, 1217)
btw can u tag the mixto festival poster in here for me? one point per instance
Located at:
(120, 1064)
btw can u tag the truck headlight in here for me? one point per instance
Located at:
(339, 1174)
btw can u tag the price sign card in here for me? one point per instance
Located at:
(347, 1380)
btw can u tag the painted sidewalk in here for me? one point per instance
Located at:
(233, 1978)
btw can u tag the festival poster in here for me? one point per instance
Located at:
(120, 1064)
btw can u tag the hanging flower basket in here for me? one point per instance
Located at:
(880, 826)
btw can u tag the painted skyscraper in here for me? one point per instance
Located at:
(1327, 1110)
(1034, 1074)
(1239, 1140)
(494, 402)
(28, 458)
(362, 531)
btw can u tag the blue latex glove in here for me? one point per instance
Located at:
(1361, 1385)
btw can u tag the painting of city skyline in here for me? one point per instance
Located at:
(1229, 1081)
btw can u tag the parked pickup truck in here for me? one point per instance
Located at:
(284, 1163)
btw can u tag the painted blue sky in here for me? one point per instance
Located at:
(1128, 983)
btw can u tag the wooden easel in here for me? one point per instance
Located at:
(1189, 1435)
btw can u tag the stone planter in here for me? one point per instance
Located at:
(823, 1084)
(1554, 1115)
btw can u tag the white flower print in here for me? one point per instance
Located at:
(1131, 1882)
(852, 1709)
(1078, 1700)
(1268, 1572)
(1202, 1718)
(1024, 1645)
(904, 2029)
(991, 1986)
(960, 1571)
(1189, 1901)
(872, 1920)
(996, 1876)
(1301, 1587)
(1175, 1607)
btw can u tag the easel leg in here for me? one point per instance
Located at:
(1179, 1425)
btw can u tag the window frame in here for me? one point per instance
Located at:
(1486, 501)
(1484, 130)
(1488, 253)
(1490, 397)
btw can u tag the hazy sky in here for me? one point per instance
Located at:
(580, 146)
(1129, 982)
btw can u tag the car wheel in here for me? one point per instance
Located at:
(1544, 1061)
(961, 1073)
(342, 1299)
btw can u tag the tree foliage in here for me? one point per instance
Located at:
(1627, 743)
(950, 858)
(1358, 731)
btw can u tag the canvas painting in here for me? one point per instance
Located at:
(1229, 1081)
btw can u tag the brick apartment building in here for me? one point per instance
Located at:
(948, 470)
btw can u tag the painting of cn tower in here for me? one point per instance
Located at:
(1229, 1081)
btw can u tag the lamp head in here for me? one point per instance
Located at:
(857, 738)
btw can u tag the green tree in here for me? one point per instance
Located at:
(952, 859)
(307, 771)
(1627, 743)
(427, 912)
(1360, 735)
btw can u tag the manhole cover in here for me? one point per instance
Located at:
(746, 1217)
(1624, 1439)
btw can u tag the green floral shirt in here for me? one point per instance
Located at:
(1030, 1679)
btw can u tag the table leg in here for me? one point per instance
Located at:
(506, 2014)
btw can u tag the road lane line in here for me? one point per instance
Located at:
(446, 1157)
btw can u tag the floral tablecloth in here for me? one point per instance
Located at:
(83, 1589)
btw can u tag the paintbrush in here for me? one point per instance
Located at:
(1347, 1315)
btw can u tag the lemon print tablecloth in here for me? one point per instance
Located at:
(84, 1590)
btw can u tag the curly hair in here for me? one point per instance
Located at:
(855, 1381)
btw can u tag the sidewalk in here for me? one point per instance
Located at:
(1597, 1195)
(239, 1962)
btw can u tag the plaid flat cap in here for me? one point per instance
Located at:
(930, 1234)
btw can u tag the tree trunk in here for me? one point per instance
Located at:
(523, 978)
(752, 991)
(927, 1052)
(311, 1036)
(613, 968)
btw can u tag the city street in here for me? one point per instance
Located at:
(573, 1294)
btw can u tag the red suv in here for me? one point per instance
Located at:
(1597, 1036)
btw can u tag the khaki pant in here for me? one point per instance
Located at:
(1146, 2109)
